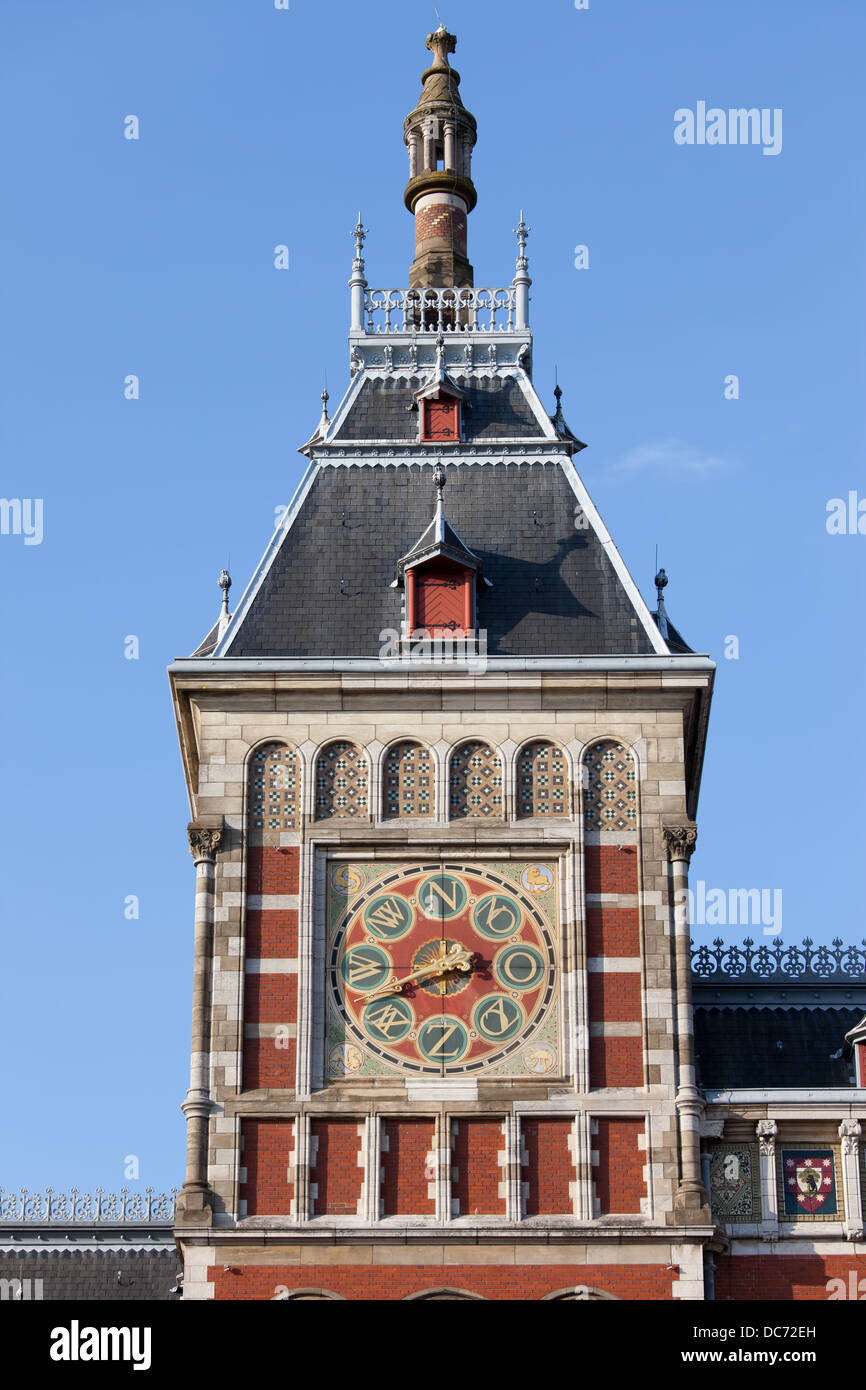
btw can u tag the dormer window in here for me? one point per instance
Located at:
(440, 419)
(440, 598)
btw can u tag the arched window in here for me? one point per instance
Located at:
(408, 786)
(475, 782)
(305, 1295)
(610, 787)
(444, 1295)
(542, 780)
(582, 1293)
(274, 788)
(341, 782)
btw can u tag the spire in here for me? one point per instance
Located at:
(440, 135)
(358, 283)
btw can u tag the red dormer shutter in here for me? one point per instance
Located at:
(440, 599)
(440, 419)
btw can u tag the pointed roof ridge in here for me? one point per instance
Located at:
(443, 540)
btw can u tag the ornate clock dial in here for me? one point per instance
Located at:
(444, 969)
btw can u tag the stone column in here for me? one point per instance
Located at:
(449, 146)
(850, 1132)
(691, 1202)
(372, 1167)
(302, 1168)
(767, 1131)
(511, 1172)
(194, 1207)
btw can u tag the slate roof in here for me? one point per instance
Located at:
(740, 1047)
(328, 590)
(493, 409)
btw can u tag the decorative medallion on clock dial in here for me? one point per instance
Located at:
(442, 969)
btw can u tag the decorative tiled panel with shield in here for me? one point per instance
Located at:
(735, 1182)
(442, 969)
(610, 788)
(809, 1185)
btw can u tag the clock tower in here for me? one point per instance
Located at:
(443, 764)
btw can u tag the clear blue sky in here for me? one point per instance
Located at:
(155, 257)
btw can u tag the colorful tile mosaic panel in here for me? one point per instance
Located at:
(408, 783)
(542, 781)
(475, 783)
(808, 1180)
(735, 1182)
(274, 788)
(341, 783)
(610, 788)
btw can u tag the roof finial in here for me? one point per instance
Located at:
(325, 420)
(439, 519)
(360, 235)
(522, 232)
(441, 44)
(225, 584)
(661, 583)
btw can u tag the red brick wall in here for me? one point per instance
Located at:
(610, 868)
(618, 1174)
(335, 1169)
(270, 998)
(549, 1167)
(613, 997)
(612, 931)
(787, 1277)
(442, 222)
(271, 934)
(266, 1065)
(266, 1153)
(404, 1177)
(615, 1062)
(519, 1283)
(272, 870)
(476, 1175)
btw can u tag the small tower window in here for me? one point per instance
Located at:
(341, 783)
(408, 789)
(610, 791)
(273, 788)
(440, 419)
(542, 781)
(475, 783)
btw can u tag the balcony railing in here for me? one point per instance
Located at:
(28, 1208)
(806, 964)
(458, 311)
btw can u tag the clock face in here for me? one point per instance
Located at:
(443, 969)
